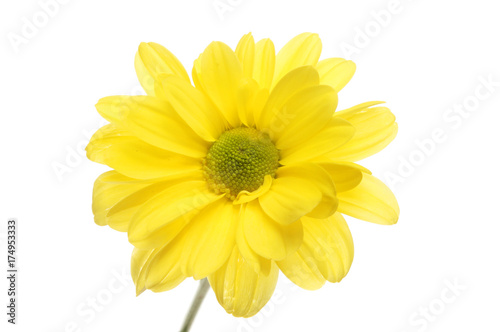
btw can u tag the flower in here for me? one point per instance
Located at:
(246, 173)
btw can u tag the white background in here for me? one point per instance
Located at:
(426, 59)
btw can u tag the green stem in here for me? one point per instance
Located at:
(195, 305)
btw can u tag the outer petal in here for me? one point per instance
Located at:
(375, 129)
(179, 200)
(290, 198)
(196, 74)
(154, 121)
(127, 154)
(326, 253)
(268, 238)
(120, 214)
(321, 180)
(302, 50)
(302, 271)
(164, 270)
(345, 175)
(259, 263)
(371, 200)
(153, 59)
(336, 72)
(356, 108)
(330, 243)
(221, 74)
(245, 51)
(251, 100)
(336, 133)
(109, 189)
(240, 290)
(264, 62)
(139, 265)
(209, 239)
(192, 106)
(306, 114)
(293, 82)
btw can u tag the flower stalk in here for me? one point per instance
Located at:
(195, 305)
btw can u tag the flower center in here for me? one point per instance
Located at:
(239, 160)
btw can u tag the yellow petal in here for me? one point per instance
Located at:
(290, 198)
(336, 72)
(326, 253)
(245, 51)
(356, 108)
(154, 121)
(109, 189)
(153, 59)
(330, 244)
(259, 263)
(240, 290)
(209, 239)
(321, 180)
(127, 154)
(345, 175)
(264, 61)
(251, 100)
(139, 266)
(302, 50)
(164, 270)
(192, 106)
(221, 74)
(371, 201)
(292, 83)
(244, 196)
(303, 116)
(196, 73)
(302, 271)
(375, 129)
(121, 212)
(166, 207)
(268, 238)
(334, 134)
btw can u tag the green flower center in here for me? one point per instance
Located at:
(239, 160)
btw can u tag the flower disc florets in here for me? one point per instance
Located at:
(239, 160)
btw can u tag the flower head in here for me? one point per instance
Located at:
(246, 173)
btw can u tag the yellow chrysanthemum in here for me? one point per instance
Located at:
(244, 174)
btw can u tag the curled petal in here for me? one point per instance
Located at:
(375, 129)
(127, 154)
(152, 60)
(240, 290)
(326, 253)
(153, 121)
(221, 73)
(268, 238)
(336, 72)
(245, 51)
(264, 62)
(371, 201)
(302, 50)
